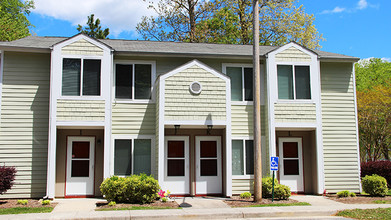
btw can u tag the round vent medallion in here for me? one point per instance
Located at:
(195, 87)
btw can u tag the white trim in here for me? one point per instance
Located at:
(161, 134)
(319, 132)
(357, 133)
(228, 140)
(132, 138)
(81, 123)
(295, 125)
(197, 122)
(134, 62)
(242, 102)
(190, 64)
(192, 90)
(79, 37)
(84, 98)
(1, 77)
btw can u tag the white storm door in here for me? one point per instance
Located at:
(80, 166)
(176, 165)
(291, 167)
(208, 165)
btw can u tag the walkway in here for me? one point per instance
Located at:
(201, 208)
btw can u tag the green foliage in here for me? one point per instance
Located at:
(380, 213)
(45, 202)
(22, 202)
(23, 210)
(352, 194)
(372, 72)
(229, 22)
(245, 195)
(93, 28)
(281, 204)
(164, 199)
(280, 191)
(133, 189)
(13, 21)
(374, 185)
(112, 203)
(345, 193)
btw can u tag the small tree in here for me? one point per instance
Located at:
(7, 177)
(94, 29)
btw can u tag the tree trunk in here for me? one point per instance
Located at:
(192, 19)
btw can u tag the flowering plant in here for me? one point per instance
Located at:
(164, 196)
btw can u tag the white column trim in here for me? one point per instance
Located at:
(319, 129)
(1, 76)
(356, 118)
(228, 140)
(107, 82)
(160, 150)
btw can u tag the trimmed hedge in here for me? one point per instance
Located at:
(381, 168)
(280, 191)
(374, 185)
(136, 189)
(7, 177)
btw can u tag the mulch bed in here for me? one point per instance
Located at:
(32, 203)
(359, 199)
(157, 204)
(236, 201)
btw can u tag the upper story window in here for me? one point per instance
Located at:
(133, 81)
(81, 77)
(293, 82)
(241, 82)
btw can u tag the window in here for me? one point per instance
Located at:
(293, 82)
(242, 157)
(241, 83)
(132, 156)
(81, 77)
(133, 81)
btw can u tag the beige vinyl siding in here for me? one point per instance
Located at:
(181, 104)
(242, 119)
(341, 165)
(287, 112)
(242, 185)
(292, 55)
(133, 119)
(80, 110)
(82, 47)
(24, 122)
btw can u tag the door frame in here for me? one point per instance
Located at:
(186, 178)
(219, 177)
(300, 178)
(70, 140)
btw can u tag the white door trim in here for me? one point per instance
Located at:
(295, 182)
(177, 185)
(80, 186)
(203, 183)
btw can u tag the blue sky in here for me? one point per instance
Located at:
(360, 28)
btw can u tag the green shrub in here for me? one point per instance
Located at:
(281, 192)
(374, 185)
(45, 202)
(352, 194)
(112, 203)
(267, 185)
(344, 193)
(245, 195)
(22, 202)
(164, 199)
(138, 189)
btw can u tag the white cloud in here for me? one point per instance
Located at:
(335, 10)
(118, 15)
(362, 4)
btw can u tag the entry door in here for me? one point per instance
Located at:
(80, 166)
(176, 173)
(291, 159)
(208, 165)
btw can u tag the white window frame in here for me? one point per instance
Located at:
(134, 62)
(132, 138)
(81, 96)
(241, 65)
(244, 176)
(294, 83)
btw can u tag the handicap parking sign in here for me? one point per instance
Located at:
(274, 163)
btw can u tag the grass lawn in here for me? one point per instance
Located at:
(382, 201)
(24, 210)
(281, 204)
(380, 213)
(134, 208)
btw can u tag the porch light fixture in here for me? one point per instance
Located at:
(209, 129)
(176, 128)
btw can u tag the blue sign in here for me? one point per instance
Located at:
(274, 163)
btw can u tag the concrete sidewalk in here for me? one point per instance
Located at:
(321, 208)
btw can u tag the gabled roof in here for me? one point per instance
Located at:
(161, 48)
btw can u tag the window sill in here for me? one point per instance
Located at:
(129, 101)
(100, 98)
(295, 101)
(243, 177)
(242, 103)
